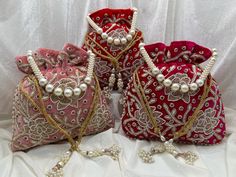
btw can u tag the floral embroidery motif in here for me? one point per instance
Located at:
(124, 58)
(30, 126)
(175, 96)
(143, 120)
(206, 122)
(174, 108)
(118, 33)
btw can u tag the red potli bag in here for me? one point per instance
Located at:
(172, 98)
(114, 39)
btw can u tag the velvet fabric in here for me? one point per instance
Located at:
(123, 58)
(64, 69)
(172, 110)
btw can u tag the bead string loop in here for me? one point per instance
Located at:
(184, 88)
(116, 41)
(67, 92)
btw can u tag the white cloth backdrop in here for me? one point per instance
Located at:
(30, 24)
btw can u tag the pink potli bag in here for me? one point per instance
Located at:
(59, 99)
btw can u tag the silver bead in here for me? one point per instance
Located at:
(83, 87)
(43, 82)
(132, 32)
(184, 88)
(129, 37)
(58, 91)
(117, 41)
(77, 91)
(104, 35)
(175, 87)
(87, 80)
(123, 40)
(68, 92)
(49, 88)
(193, 86)
(99, 31)
(167, 82)
(160, 77)
(109, 40)
(155, 71)
(200, 82)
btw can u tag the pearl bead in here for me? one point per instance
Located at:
(123, 40)
(43, 82)
(49, 88)
(193, 86)
(117, 41)
(99, 31)
(184, 88)
(61, 163)
(87, 80)
(167, 82)
(175, 87)
(109, 40)
(214, 50)
(92, 54)
(214, 54)
(200, 82)
(104, 35)
(129, 37)
(58, 91)
(141, 45)
(77, 91)
(89, 52)
(132, 32)
(68, 92)
(155, 71)
(83, 87)
(135, 9)
(29, 53)
(160, 77)
(213, 58)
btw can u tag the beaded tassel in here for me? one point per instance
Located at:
(167, 146)
(57, 170)
(112, 79)
(120, 83)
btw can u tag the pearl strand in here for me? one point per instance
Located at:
(209, 65)
(116, 41)
(134, 20)
(34, 67)
(176, 86)
(58, 91)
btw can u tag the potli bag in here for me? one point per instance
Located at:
(172, 98)
(59, 99)
(114, 40)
